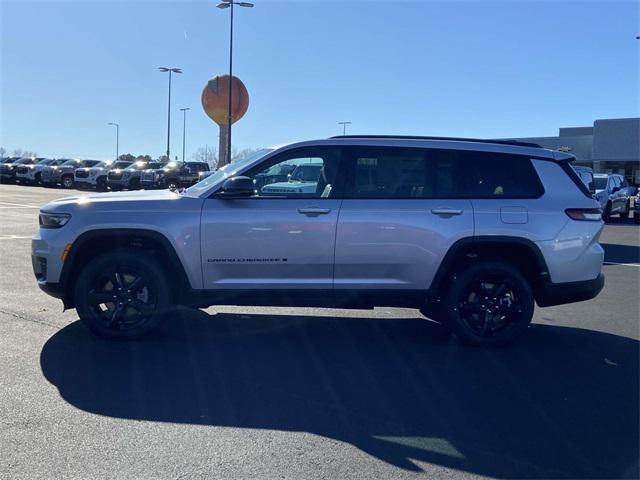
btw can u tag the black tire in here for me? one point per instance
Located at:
(627, 208)
(38, 178)
(134, 184)
(172, 184)
(606, 215)
(67, 181)
(101, 184)
(122, 295)
(488, 304)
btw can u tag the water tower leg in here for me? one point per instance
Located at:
(222, 145)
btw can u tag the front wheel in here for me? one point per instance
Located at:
(489, 304)
(122, 295)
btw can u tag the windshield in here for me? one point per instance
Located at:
(138, 166)
(22, 161)
(46, 162)
(600, 183)
(71, 162)
(120, 165)
(226, 171)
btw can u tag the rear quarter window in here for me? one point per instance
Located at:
(471, 174)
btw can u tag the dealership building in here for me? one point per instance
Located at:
(611, 145)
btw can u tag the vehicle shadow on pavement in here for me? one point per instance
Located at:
(561, 403)
(621, 253)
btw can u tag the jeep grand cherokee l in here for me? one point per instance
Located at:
(473, 233)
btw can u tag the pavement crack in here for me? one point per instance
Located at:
(27, 319)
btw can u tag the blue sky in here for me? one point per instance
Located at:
(482, 69)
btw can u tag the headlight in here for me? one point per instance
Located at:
(53, 220)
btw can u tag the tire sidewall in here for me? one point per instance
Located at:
(138, 261)
(458, 287)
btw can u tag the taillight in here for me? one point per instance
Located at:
(587, 214)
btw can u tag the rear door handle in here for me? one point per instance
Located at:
(314, 211)
(446, 211)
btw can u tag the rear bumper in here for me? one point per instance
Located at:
(551, 293)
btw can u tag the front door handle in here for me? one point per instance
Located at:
(446, 211)
(311, 211)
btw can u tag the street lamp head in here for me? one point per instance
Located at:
(163, 69)
(245, 4)
(184, 109)
(176, 70)
(223, 5)
(113, 123)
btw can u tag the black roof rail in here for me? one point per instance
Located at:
(456, 139)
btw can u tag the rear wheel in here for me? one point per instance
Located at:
(122, 295)
(67, 181)
(606, 215)
(489, 304)
(627, 207)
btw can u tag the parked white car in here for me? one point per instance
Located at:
(96, 176)
(32, 174)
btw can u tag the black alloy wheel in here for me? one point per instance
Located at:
(489, 304)
(122, 295)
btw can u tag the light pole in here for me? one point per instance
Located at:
(170, 70)
(344, 127)
(184, 128)
(117, 138)
(229, 4)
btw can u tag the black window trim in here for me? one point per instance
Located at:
(521, 157)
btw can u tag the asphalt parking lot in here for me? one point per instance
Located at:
(314, 393)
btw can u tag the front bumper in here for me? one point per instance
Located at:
(550, 293)
(26, 177)
(85, 181)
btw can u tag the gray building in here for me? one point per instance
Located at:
(611, 145)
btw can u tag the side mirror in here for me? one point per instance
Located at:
(615, 189)
(237, 187)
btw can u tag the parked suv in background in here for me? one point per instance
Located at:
(586, 175)
(471, 232)
(129, 178)
(173, 175)
(32, 173)
(63, 174)
(96, 176)
(9, 168)
(612, 192)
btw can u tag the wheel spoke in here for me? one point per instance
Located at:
(98, 298)
(119, 281)
(138, 283)
(143, 308)
(116, 316)
(487, 326)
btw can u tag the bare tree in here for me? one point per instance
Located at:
(2, 151)
(207, 154)
(27, 153)
(17, 152)
(242, 154)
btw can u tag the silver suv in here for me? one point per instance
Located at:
(470, 232)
